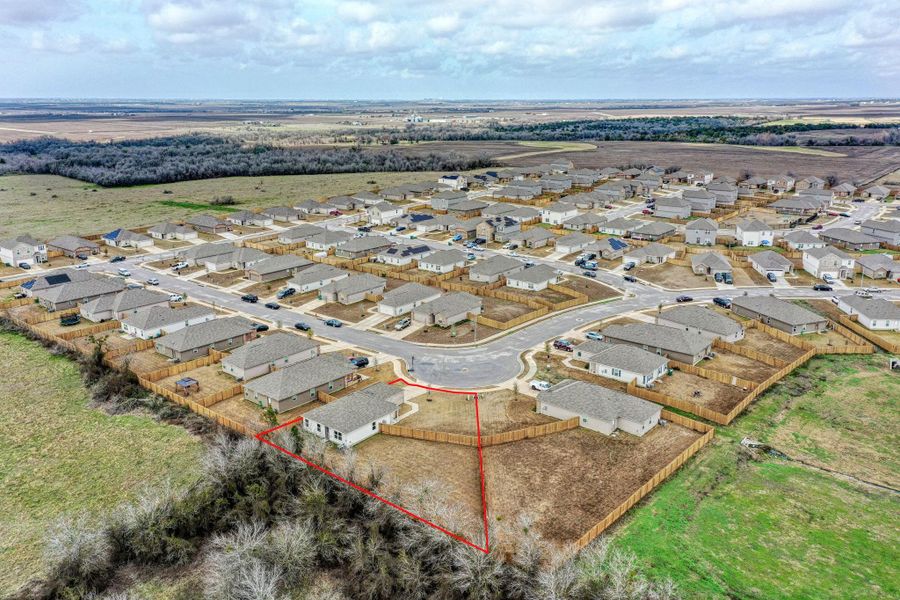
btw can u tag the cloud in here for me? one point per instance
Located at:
(358, 12)
(31, 12)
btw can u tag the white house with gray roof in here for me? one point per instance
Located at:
(587, 222)
(359, 247)
(447, 310)
(277, 267)
(248, 217)
(300, 233)
(198, 255)
(666, 341)
(653, 253)
(598, 408)
(557, 212)
(355, 417)
(239, 258)
(315, 277)
(300, 383)
(802, 240)
(873, 313)
(352, 289)
(533, 279)
(443, 261)
(700, 320)
(281, 214)
(753, 232)
(403, 254)
(710, 263)
(574, 242)
(123, 238)
(22, 249)
(620, 226)
(672, 208)
(327, 240)
(769, 261)
(121, 305)
(171, 231)
(701, 232)
(493, 268)
(384, 213)
(161, 320)
(268, 353)
(622, 362)
(780, 314)
(405, 298)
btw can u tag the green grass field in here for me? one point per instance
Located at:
(727, 526)
(48, 205)
(59, 457)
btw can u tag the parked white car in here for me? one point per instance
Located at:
(176, 298)
(539, 385)
(80, 266)
(124, 272)
(179, 266)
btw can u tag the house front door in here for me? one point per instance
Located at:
(327, 434)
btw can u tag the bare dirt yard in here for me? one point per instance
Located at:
(765, 343)
(502, 310)
(569, 481)
(593, 290)
(465, 333)
(352, 313)
(739, 366)
(211, 378)
(713, 395)
(264, 289)
(672, 277)
(222, 278)
(143, 361)
(499, 412)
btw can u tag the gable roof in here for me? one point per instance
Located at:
(703, 225)
(802, 236)
(819, 253)
(161, 316)
(408, 294)
(279, 263)
(873, 308)
(300, 377)
(71, 243)
(358, 409)
(76, 290)
(711, 259)
(769, 259)
(536, 274)
(204, 334)
(443, 258)
(652, 249)
(315, 273)
(891, 225)
(125, 300)
(849, 236)
(268, 349)
(496, 265)
(355, 283)
(629, 358)
(657, 336)
(451, 304)
(778, 309)
(753, 225)
(301, 232)
(598, 402)
(702, 318)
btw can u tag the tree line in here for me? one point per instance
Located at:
(260, 525)
(189, 157)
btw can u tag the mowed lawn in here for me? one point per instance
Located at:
(730, 526)
(72, 206)
(60, 457)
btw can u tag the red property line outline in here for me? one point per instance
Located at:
(263, 437)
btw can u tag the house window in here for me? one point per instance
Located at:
(584, 419)
(617, 372)
(338, 436)
(318, 427)
(374, 426)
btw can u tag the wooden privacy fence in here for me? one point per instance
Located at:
(10, 283)
(852, 324)
(203, 361)
(135, 346)
(199, 408)
(503, 325)
(15, 302)
(749, 353)
(495, 439)
(708, 433)
(765, 385)
(43, 317)
(679, 403)
(85, 331)
(725, 378)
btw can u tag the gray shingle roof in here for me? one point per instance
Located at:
(77, 290)
(301, 232)
(702, 318)
(366, 243)
(408, 294)
(753, 225)
(820, 253)
(769, 259)
(892, 225)
(873, 308)
(443, 258)
(778, 309)
(653, 249)
(204, 334)
(319, 272)
(332, 238)
(204, 251)
(878, 261)
(162, 316)
(71, 243)
(279, 263)
(536, 274)
(125, 300)
(354, 284)
(802, 237)
(358, 409)
(629, 358)
(451, 304)
(597, 402)
(703, 225)
(657, 336)
(713, 260)
(301, 377)
(496, 265)
(268, 349)
(849, 236)
(574, 239)
(204, 221)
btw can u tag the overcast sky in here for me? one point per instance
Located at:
(412, 49)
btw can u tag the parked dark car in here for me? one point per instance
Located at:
(590, 274)
(817, 227)
(70, 320)
(727, 278)
(364, 229)
(333, 323)
(629, 266)
(771, 277)
(301, 326)
(272, 305)
(359, 361)
(580, 262)
(723, 302)
(24, 265)
(81, 256)
(564, 345)
(479, 241)
(821, 287)
(684, 299)
(117, 258)
(251, 298)
(285, 293)
(630, 278)
(260, 327)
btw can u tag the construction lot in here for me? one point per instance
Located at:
(672, 277)
(500, 411)
(707, 393)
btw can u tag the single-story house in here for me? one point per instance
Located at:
(22, 249)
(266, 354)
(667, 341)
(160, 320)
(620, 226)
(240, 259)
(829, 261)
(823, 197)
(300, 383)
(628, 363)
(405, 298)
(536, 237)
(778, 313)
(171, 231)
(849, 239)
(200, 254)
(466, 208)
(402, 254)
(301, 233)
(512, 192)
(493, 268)
(886, 231)
(803, 240)
(653, 231)
(355, 417)
(598, 408)
(524, 214)
(448, 310)
(535, 278)
(352, 289)
(315, 277)
(195, 341)
(443, 261)
(874, 313)
(557, 212)
(878, 266)
(444, 200)
(124, 304)
(844, 190)
(876, 192)
(468, 228)
(277, 267)
(366, 197)
(248, 217)
(327, 240)
(281, 214)
(753, 232)
(574, 242)
(653, 253)
(70, 295)
(587, 222)
(123, 238)
(208, 224)
(384, 213)
(767, 261)
(312, 207)
(72, 246)
(701, 232)
(344, 203)
(710, 263)
(454, 181)
(672, 208)
(700, 320)
(609, 248)
(54, 279)
(359, 247)
(498, 208)
(799, 205)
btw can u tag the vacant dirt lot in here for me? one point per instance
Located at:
(762, 342)
(672, 277)
(222, 278)
(143, 361)
(454, 413)
(265, 289)
(740, 366)
(713, 395)
(571, 480)
(352, 313)
(593, 290)
(465, 333)
(502, 310)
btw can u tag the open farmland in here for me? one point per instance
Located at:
(61, 457)
(736, 524)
